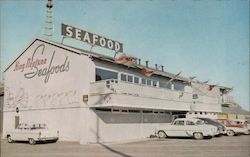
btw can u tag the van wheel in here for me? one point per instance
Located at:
(9, 139)
(230, 133)
(162, 134)
(198, 136)
(32, 141)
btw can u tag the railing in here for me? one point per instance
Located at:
(121, 87)
(227, 99)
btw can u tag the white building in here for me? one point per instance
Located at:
(89, 98)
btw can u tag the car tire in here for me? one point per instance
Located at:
(32, 141)
(162, 134)
(230, 133)
(9, 139)
(198, 136)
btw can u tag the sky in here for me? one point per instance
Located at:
(208, 39)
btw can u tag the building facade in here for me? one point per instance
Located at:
(1, 107)
(90, 98)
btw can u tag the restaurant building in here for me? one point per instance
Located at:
(92, 98)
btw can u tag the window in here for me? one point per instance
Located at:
(134, 111)
(102, 74)
(154, 83)
(146, 111)
(156, 112)
(130, 78)
(143, 81)
(200, 122)
(127, 78)
(124, 111)
(189, 123)
(123, 77)
(136, 79)
(162, 84)
(103, 109)
(179, 122)
(149, 82)
(169, 85)
(115, 110)
(195, 96)
(179, 86)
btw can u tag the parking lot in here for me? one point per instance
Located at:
(236, 146)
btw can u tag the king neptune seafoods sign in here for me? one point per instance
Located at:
(91, 38)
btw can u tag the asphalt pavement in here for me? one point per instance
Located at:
(236, 146)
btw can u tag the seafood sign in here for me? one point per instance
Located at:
(38, 65)
(91, 38)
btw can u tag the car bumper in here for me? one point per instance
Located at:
(48, 139)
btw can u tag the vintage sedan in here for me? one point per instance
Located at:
(32, 133)
(234, 127)
(187, 127)
(248, 124)
(243, 122)
(220, 126)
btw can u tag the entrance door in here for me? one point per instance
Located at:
(17, 120)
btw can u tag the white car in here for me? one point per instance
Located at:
(248, 124)
(235, 126)
(187, 127)
(243, 122)
(32, 133)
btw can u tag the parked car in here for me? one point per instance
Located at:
(248, 124)
(220, 126)
(243, 122)
(187, 127)
(32, 133)
(234, 127)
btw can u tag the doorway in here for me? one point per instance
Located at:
(17, 121)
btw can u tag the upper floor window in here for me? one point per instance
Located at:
(143, 81)
(155, 84)
(127, 78)
(149, 82)
(136, 79)
(130, 78)
(102, 74)
(123, 77)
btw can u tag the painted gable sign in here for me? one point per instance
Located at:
(41, 63)
(46, 75)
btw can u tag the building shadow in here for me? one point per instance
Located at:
(114, 151)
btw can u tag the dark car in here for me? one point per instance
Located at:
(221, 127)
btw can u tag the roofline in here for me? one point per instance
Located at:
(22, 52)
(45, 41)
(101, 57)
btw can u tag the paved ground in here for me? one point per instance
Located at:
(237, 146)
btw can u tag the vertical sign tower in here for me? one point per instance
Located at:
(48, 30)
